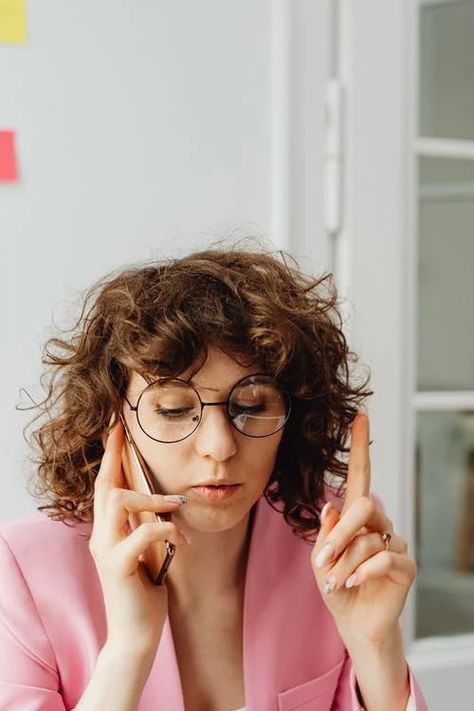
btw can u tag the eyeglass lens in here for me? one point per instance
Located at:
(171, 410)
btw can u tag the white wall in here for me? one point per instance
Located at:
(145, 129)
(139, 126)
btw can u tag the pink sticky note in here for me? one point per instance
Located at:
(8, 163)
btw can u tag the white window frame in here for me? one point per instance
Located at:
(376, 263)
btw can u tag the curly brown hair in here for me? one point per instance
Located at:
(158, 318)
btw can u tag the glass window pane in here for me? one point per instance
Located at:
(445, 328)
(445, 523)
(447, 70)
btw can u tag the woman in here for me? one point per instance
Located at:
(252, 614)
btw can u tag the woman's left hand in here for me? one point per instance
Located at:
(371, 608)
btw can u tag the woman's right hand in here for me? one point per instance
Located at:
(136, 609)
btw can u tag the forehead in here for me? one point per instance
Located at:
(218, 374)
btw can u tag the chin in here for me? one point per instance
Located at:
(210, 519)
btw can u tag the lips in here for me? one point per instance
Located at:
(216, 493)
(220, 487)
(218, 483)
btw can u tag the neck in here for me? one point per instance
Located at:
(211, 567)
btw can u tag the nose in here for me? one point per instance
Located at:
(216, 437)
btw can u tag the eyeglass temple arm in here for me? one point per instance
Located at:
(130, 404)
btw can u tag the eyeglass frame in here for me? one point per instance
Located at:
(209, 404)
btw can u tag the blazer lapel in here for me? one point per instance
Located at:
(289, 635)
(163, 689)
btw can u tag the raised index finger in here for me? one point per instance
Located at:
(358, 474)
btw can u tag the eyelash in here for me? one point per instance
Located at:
(178, 413)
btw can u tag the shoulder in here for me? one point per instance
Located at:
(35, 530)
(39, 546)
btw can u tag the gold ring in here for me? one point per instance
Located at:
(386, 538)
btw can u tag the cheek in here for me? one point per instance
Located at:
(165, 465)
(261, 460)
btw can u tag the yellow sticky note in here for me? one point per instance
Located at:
(13, 21)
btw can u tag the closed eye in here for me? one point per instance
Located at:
(173, 413)
(249, 408)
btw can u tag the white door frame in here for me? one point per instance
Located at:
(300, 56)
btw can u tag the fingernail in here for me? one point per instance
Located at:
(325, 555)
(363, 410)
(325, 511)
(351, 580)
(176, 498)
(330, 585)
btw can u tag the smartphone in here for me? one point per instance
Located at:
(158, 556)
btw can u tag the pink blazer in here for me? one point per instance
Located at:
(52, 625)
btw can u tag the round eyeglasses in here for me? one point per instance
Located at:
(170, 409)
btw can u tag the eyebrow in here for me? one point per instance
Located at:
(201, 387)
(216, 390)
(151, 377)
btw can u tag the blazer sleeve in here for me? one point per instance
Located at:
(29, 679)
(347, 696)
